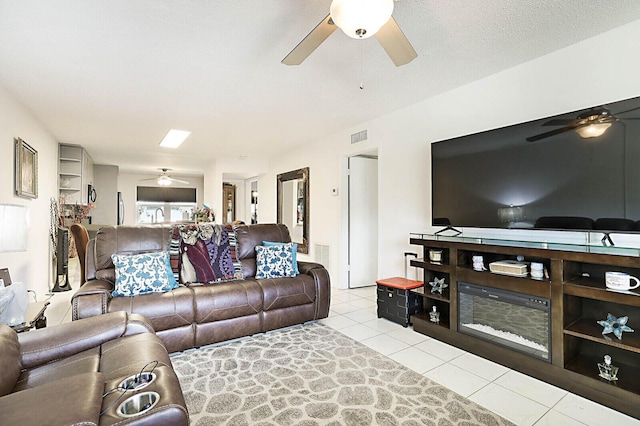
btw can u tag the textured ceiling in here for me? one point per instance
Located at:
(115, 75)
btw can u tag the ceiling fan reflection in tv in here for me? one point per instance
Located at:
(589, 124)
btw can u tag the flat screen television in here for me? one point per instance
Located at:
(543, 173)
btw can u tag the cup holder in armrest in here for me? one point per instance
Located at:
(138, 404)
(137, 381)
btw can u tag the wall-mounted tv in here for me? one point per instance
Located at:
(546, 173)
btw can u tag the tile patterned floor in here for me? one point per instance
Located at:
(515, 396)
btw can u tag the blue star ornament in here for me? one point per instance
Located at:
(615, 325)
(437, 285)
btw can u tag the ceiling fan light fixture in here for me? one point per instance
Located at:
(164, 180)
(361, 18)
(592, 130)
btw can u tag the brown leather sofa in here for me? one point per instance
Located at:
(198, 315)
(59, 375)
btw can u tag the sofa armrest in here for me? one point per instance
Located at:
(304, 267)
(323, 286)
(80, 405)
(43, 345)
(92, 299)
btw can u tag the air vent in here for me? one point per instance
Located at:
(359, 137)
(321, 254)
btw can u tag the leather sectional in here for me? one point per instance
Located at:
(202, 314)
(69, 374)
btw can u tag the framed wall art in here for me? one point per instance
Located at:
(26, 170)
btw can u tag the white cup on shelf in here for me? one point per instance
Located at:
(478, 263)
(537, 270)
(435, 255)
(620, 281)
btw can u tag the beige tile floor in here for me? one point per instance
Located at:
(515, 396)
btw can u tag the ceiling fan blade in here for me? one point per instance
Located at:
(561, 122)
(395, 43)
(625, 111)
(311, 42)
(154, 178)
(549, 134)
(184, 182)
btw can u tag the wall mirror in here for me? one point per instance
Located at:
(293, 205)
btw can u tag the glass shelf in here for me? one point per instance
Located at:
(586, 242)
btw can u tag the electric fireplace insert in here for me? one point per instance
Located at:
(514, 320)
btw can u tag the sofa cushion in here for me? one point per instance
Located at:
(164, 311)
(142, 273)
(83, 362)
(225, 301)
(72, 400)
(128, 240)
(10, 364)
(251, 236)
(286, 292)
(274, 261)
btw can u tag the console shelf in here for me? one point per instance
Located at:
(426, 292)
(504, 282)
(423, 318)
(431, 265)
(587, 328)
(574, 288)
(628, 381)
(594, 290)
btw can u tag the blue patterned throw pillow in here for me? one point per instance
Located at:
(143, 273)
(294, 250)
(275, 261)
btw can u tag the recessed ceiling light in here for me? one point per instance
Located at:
(174, 138)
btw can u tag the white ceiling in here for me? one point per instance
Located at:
(116, 75)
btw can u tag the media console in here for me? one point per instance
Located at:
(568, 300)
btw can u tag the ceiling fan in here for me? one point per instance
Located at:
(164, 179)
(358, 19)
(589, 124)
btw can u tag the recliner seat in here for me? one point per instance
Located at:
(59, 374)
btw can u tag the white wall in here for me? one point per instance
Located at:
(128, 182)
(558, 82)
(221, 170)
(570, 79)
(33, 266)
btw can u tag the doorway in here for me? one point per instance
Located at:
(254, 202)
(362, 220)
(228, 203)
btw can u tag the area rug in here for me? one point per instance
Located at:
(314, 375)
